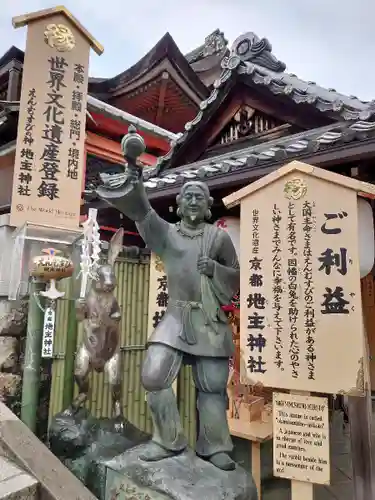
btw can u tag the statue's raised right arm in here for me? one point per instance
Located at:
(126, 193)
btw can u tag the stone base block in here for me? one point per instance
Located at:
(84, 444)
(183, 477)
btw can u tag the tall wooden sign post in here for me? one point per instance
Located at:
(301, 310)
(50, 160)
(50, 157)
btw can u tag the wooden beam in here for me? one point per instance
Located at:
(13, 64)
(154, 72)
(224, 118)
(111, 150)
(110, 125)
(284, 108)
(14, 88)
(162, 94)
(285, 112)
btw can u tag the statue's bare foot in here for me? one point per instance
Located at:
(154, 453)
(222, 461)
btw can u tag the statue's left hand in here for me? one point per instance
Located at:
(206, 266)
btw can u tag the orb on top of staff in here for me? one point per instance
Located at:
(133, 144)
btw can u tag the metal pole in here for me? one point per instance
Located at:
(33, 350)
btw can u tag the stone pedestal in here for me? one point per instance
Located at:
(84, 444)
(183, 477)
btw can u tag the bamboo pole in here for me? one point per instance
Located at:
(31, 370)
(133, 303)
(51, 411)
(120, 298)
(59, 347)
(138, 352)
(70, 344)
(126, 381)
(93, 392)
(99, 393)
(144, 326)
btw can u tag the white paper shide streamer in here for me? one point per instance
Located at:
(90, 250)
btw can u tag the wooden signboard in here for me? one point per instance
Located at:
(301, 312)
(50, 162)
(301, 438)
(158, 293)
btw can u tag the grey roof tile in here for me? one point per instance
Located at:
(262, 154)
(253, 58)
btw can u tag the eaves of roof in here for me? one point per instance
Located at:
(300, 91)
(265, 70)
(165, 48)
(98, 106)
(12, 53)
(260, 157)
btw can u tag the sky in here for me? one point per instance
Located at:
(330, 42)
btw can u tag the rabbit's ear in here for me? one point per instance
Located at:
(115, 246)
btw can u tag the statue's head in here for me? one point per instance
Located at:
(194, 202)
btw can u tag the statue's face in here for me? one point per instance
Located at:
(193, 205)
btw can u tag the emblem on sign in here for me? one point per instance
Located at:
(59, 37)
(295, 189)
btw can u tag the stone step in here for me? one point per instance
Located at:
(15, 483)
(22, 447)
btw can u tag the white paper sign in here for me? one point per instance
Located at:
(48, 332)
(301, 438)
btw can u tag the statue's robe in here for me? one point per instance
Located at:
(194, 322)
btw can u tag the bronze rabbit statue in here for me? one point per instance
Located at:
(100, 314)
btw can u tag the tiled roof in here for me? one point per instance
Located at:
(265, 154)
(215, 43)
(325, 100)
(253, 59)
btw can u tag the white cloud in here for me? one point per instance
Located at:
(327, 41)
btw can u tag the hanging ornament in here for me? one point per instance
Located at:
(50, 267)
(90, 250)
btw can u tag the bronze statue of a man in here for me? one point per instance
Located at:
(203, 274)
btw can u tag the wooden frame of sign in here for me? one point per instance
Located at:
(300, 297)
